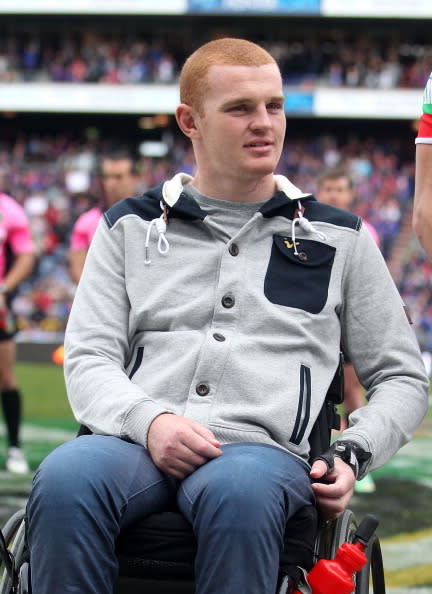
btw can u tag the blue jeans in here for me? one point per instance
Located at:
(90, 487)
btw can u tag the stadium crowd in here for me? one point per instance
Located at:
(55, 178)
(332, 57)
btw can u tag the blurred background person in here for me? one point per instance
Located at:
(119, 180)
(16, 264)
(422, 213)
(335, 187)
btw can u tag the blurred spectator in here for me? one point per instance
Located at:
(334, 57)
(335, 187)
(119, 180)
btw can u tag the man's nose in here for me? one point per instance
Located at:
(261, 118)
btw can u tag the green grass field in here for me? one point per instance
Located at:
(47, 417)
(44, 392)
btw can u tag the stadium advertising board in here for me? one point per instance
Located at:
(372, 8)
(369, 104)
(93, 6)
(298, 103)
(255, 6)
(88, 98)
(138, 99)
(329, 8)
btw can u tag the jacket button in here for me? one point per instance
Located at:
(234, 249)
(202, 389)
(228, 301)
(219, 337)
(303, 256)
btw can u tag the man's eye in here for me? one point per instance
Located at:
(275, 106)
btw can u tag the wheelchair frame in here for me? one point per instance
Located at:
(164, 577)
(331, 535)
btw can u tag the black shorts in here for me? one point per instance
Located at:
(4, 335)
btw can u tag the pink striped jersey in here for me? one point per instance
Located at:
(84, 229)
(14, 231)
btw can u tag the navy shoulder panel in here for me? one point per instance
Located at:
(146, 207)
(319, 211)
(314, 211)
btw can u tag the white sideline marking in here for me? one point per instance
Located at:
(40, 433)
(406, 554)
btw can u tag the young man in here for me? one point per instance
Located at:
(119, 181)
(16, 264)
(422, 215)
(203, 338)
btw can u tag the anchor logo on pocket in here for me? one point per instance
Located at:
(290, 244)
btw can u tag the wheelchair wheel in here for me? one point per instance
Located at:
(343, 530)
(334, 533)
(14, 535)
(372, 574)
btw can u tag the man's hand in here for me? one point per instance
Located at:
(178, 446)
(335, 493)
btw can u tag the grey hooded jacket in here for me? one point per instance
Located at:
(243, 335)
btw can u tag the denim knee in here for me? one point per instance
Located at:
(101, 470)
(238, 504)
(71, 470)
(248, 481)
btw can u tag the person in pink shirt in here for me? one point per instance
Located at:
(84, 229)
(119, 181)
(16, 263)
(335, 187)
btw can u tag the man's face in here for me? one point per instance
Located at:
(118, 180)
(242, 123)
(336, 192)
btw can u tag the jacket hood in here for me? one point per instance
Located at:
(172, 188)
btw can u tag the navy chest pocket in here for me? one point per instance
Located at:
(299, 280)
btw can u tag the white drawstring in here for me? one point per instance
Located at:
(163, 245)
(305, 226)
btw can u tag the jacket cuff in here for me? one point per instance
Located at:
(138, 420)
(351, 453)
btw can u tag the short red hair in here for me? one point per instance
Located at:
(227, 51)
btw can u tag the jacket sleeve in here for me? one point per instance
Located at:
(382, 345)
(97, 346)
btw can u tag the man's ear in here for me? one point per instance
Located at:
(185, 116)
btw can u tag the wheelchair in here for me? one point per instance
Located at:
(156, 556)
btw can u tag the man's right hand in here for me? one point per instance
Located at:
(178, 446)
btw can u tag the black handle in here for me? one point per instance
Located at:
(366, 529)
